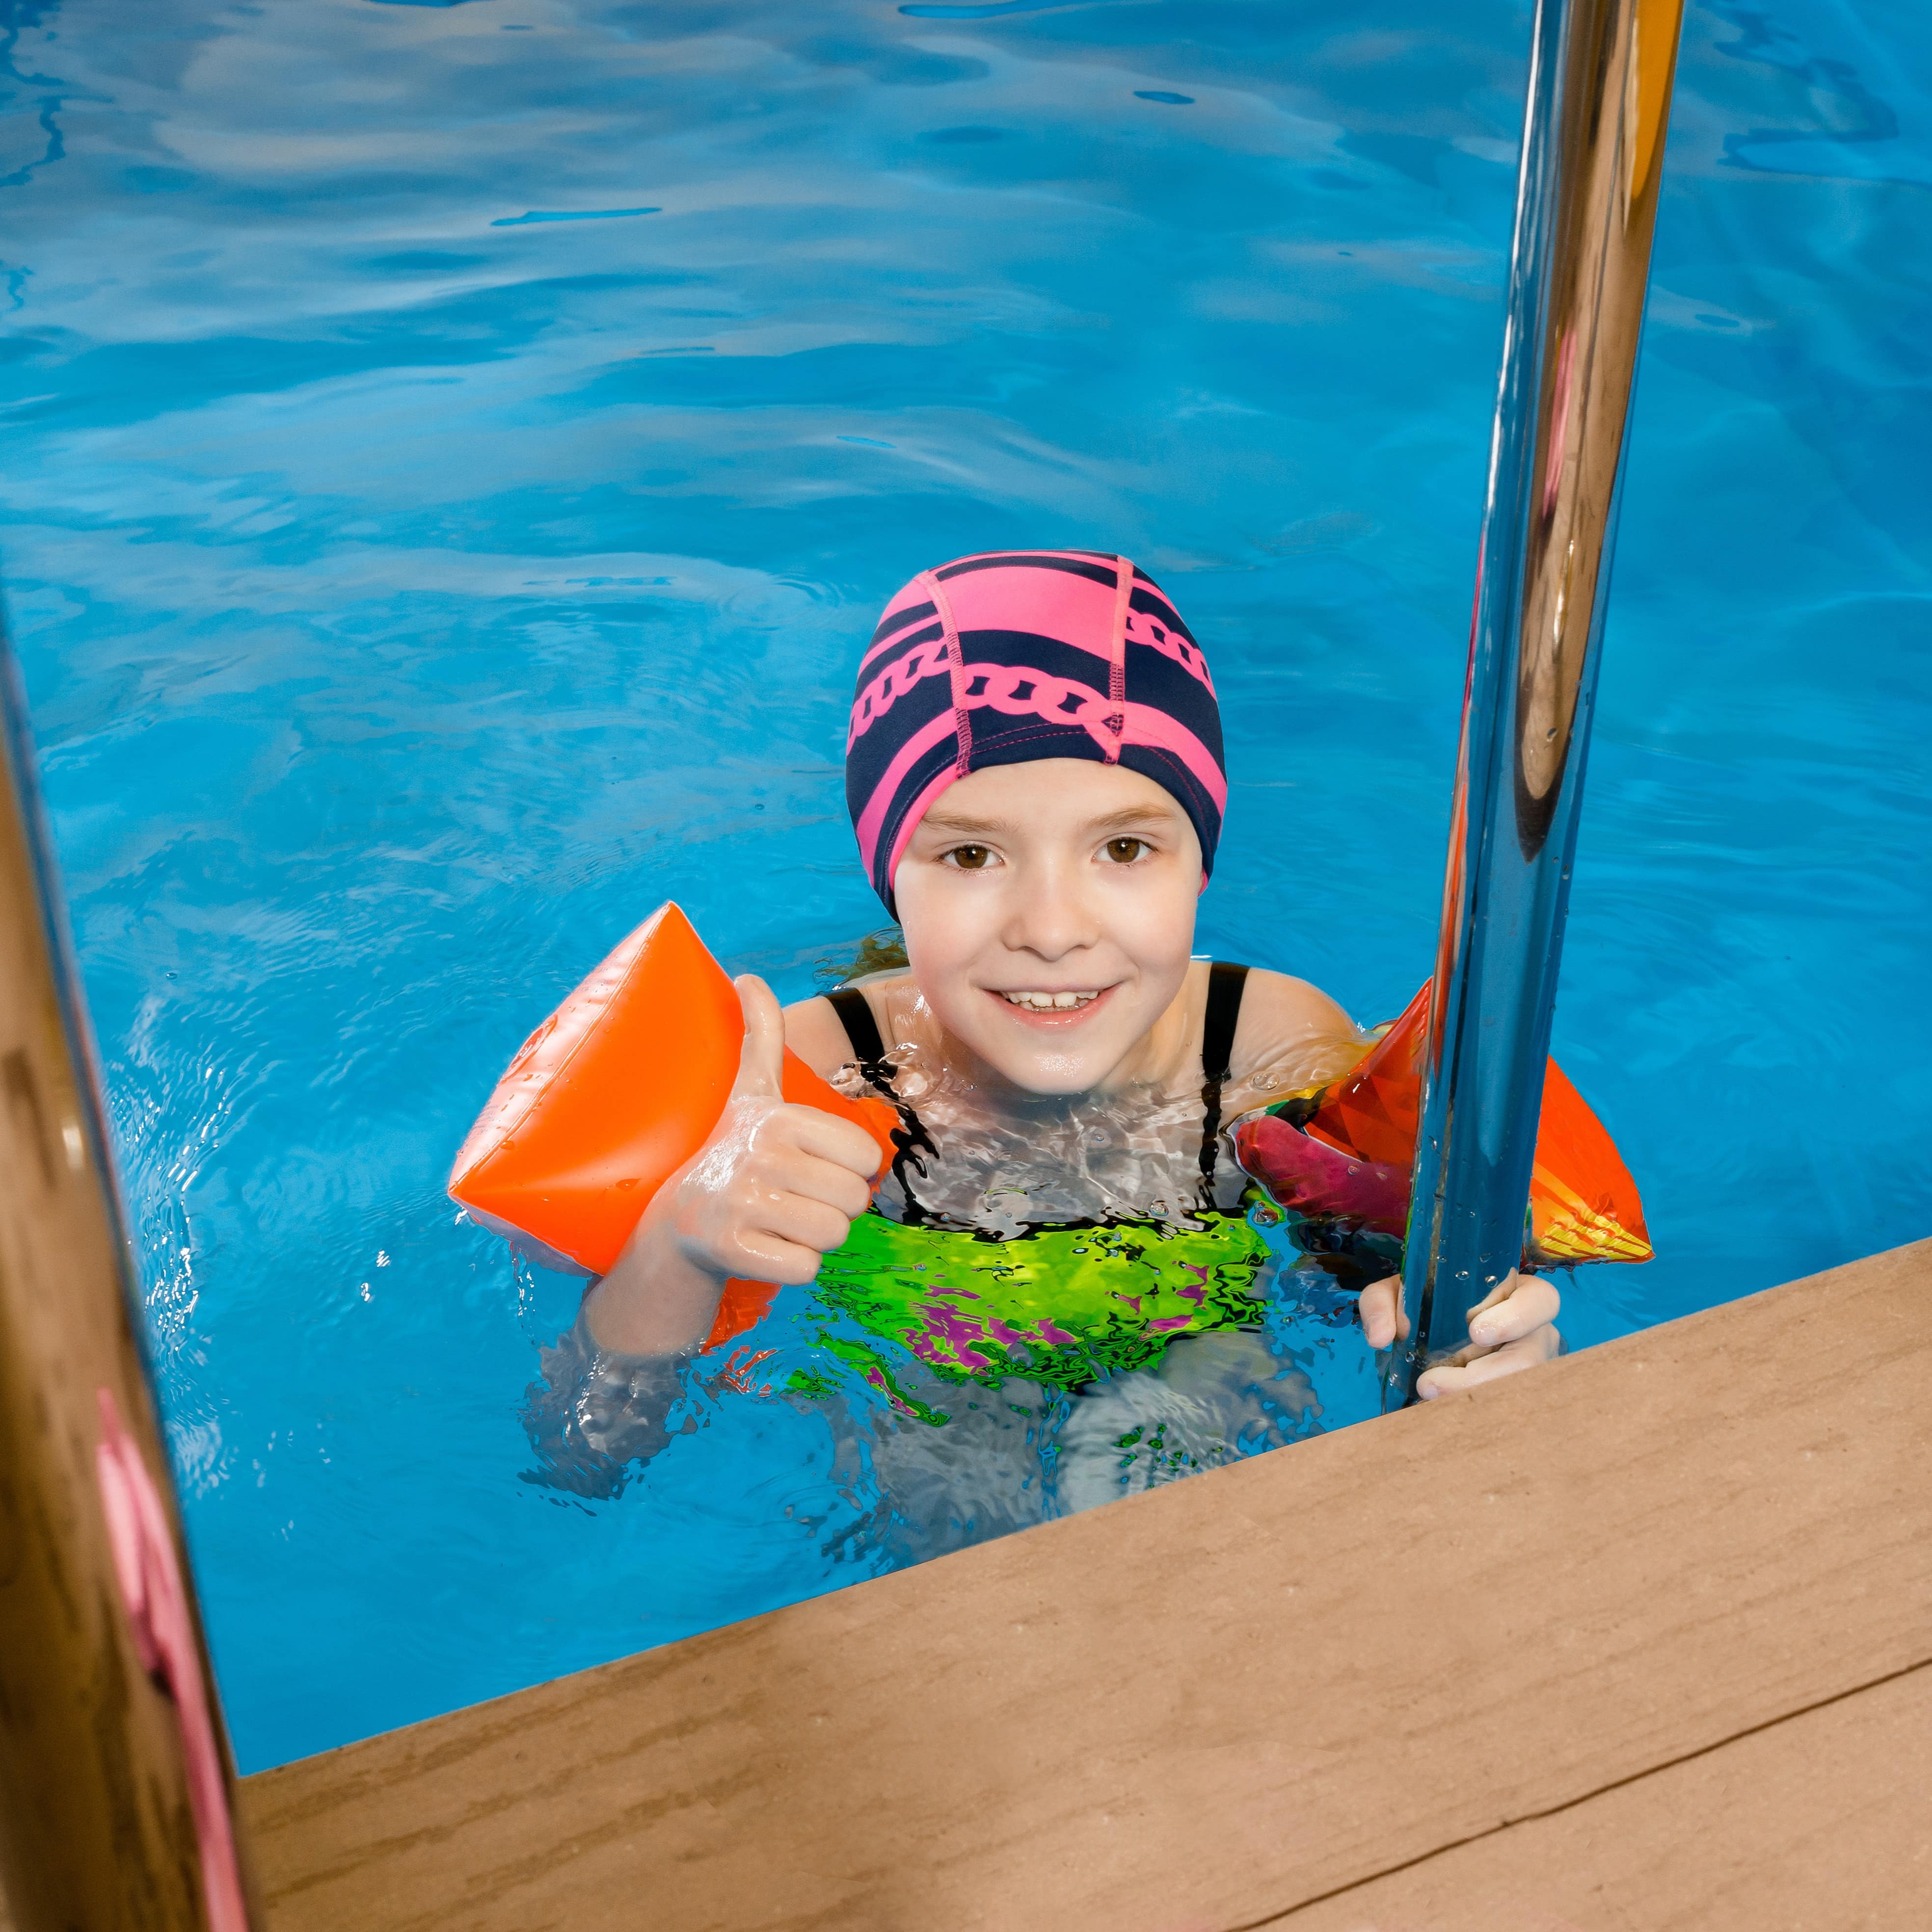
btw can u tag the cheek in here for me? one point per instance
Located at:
(944, 929)
(1156, 928)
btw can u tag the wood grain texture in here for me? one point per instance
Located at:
(1821, 1822)
(1202, 1708)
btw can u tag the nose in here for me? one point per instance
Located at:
(1049, 915)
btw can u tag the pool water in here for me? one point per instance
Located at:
(453, 453)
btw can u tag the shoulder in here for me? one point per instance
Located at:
(815, 1033)
(1291, 1035)
(1272, 1001)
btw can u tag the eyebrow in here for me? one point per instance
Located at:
(1133, 815)
(953, 825)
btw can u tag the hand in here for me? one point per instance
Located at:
(1512, 1328)
(774, 1189)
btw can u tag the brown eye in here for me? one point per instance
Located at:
(969, 858)
(1125, 851)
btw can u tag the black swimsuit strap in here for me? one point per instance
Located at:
(855, 1014)
(869, 1049)
(1225, 986)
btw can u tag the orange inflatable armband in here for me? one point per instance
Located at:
(1583, 1204)
(614, 1092)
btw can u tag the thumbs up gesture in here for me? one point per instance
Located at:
(770, 1194)
(774, 1189)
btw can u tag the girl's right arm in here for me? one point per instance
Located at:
(767, 1197)
(1293, 1036)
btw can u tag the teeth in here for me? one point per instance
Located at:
(1047, 1003)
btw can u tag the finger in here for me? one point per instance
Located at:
(1533, 1303)
(826, 1137)
(1381, 1304)
(838, 1187)
(761, 1058)
(1453, 1377)
(1502, 1292)
(1378, 1306)
(1544, 1337)
(779, 1167)
(766, 1257)
(797, 1220)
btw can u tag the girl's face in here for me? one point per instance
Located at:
(1048, 910)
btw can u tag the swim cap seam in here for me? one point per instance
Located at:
(962, 723)
(1117, 656)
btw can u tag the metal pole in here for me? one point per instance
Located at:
(1599, 76)
(116, 1788)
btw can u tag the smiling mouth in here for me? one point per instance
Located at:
(1050, 1002)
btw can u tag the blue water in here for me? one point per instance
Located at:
(451, 453)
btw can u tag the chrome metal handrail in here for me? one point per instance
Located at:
(1600, 81)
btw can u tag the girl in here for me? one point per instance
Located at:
(1035, 774)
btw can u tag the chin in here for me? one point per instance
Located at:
(1060, 1076)
(1045, 1070)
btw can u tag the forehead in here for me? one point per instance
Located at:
(1051, 793)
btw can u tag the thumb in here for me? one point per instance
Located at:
(761, 1061)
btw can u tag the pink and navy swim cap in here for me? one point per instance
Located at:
(1019, 655)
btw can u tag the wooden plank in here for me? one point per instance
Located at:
(1821, 1820)
(1206, 1706)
